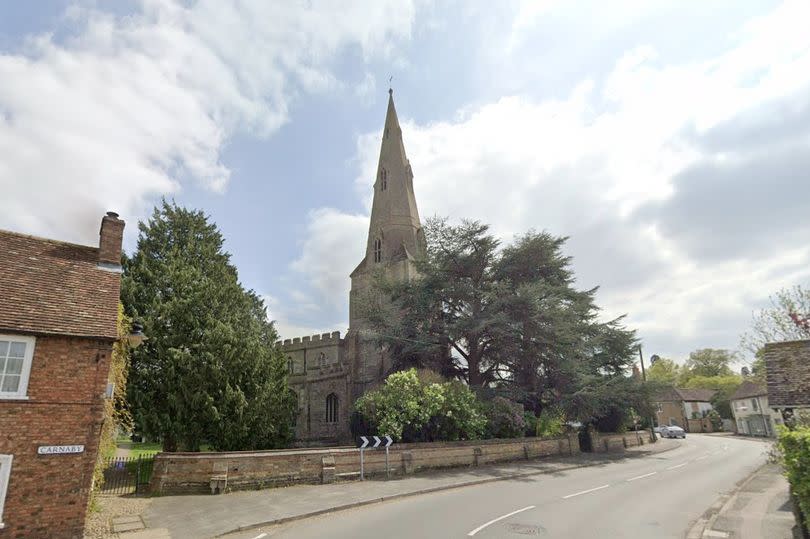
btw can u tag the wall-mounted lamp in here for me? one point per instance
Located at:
(136, 336)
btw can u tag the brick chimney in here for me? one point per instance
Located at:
(110, 237)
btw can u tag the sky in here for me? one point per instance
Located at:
(670, 141)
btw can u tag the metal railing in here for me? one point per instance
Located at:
(127, 475)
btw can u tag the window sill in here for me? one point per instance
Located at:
(13, 397)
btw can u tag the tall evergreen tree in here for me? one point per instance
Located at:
(508, 320)
(209, 371)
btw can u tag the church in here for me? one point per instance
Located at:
(329, 372)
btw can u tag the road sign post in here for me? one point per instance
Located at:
(362, 447)
(377, 441)
(388, 442)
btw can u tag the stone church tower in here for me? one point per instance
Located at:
(328, 372)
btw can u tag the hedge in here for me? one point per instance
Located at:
(795, 447)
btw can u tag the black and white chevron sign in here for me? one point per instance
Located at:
(365, 441)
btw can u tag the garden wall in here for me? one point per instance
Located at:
(192, 472)
(607, 442)
(197, 472)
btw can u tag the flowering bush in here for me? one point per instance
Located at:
(504, 419)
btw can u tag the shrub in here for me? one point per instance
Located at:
(504, 419)
(416, 407)
(795, 448)
(460, 417)
(550, 423)
(532, 422)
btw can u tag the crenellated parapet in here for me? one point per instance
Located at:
(321, 339)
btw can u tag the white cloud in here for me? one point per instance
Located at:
(586, 166)
(334, 245)
(126, 108)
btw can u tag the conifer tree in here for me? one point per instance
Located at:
(209, 372)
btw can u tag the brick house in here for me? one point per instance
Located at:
(787, 366)
(686, 408)
(753, 415)
(58, 321)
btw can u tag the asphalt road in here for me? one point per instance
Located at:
(654, 496)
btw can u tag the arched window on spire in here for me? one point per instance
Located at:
(377, 250)
(383, 179)
(331, 408)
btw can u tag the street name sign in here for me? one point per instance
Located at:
(60, 449)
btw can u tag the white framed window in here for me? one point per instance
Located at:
(16, 353)
(5, 474)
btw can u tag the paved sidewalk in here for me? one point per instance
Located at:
(760, 508)
(202, 516)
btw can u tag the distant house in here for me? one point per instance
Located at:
(58, 323)
(753, 415)
(686, 408)
(787, 366)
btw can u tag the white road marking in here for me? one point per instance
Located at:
(260, 536)
(641, 476)
(678, 466)
(585, 492)
(494, 520)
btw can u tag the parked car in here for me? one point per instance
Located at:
(673, 432)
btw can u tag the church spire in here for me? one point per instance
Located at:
(395, 231)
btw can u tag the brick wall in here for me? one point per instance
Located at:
(191, 472)
(671, 410)
(787, 366)
(48, 494)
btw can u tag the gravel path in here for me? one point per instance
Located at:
(107, 507)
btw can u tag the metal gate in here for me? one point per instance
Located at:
(127, 475)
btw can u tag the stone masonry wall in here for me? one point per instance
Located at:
(48, 494)
(602, 442)
(191, 472)
(318, 368)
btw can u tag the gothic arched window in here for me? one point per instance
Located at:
(377, 250)
(383, 179)
(331, 408)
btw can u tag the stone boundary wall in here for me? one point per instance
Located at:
(176, 473)
(602, 442)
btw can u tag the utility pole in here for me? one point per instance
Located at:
(644, 378)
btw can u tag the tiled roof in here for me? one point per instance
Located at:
(749, 389)
(787, 366)
(673, 394)
(699, 395)
(52, 287)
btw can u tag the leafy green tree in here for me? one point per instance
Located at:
(414, 407)
(209, 371)
(778, 322)
(724, 385)
(508, 321)
(708, 362)
(664, 371)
